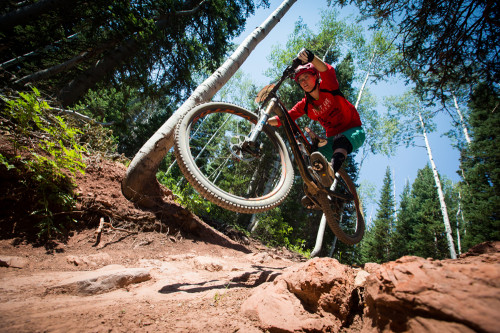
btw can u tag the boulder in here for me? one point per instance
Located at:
(102, 280)
(411, 294)
(208, 263)
(13, 261)
(312, 296)
(416, 294)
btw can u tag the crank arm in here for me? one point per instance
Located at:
(345, 197)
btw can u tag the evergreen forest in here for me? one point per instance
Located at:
(101, 77)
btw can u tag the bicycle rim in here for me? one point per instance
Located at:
(206, 147)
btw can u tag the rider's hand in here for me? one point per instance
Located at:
(305, 56)
(272, 121)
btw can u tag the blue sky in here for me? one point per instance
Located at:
(406, 161)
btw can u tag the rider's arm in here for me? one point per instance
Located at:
(319, 64)
(295, 112)
(305, 56)
(327, 72)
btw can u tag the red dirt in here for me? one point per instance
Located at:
(182, 295)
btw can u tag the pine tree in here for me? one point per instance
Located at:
(428, 237)
(402, 231)
(154, 46)
(378, 246)
(481, 168)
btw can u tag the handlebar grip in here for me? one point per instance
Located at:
(291, 69)
(296, 63)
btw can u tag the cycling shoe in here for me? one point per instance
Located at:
(322, 168)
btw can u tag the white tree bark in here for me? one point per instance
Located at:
(444, 209)
(462, 121)
(459, 213)
(394, 195)
(368, 73)
(140, 184)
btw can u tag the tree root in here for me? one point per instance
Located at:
(103, 224)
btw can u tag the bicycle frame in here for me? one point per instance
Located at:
(238, 198)
(293, 134)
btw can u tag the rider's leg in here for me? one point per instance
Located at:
(341, 148)
(344, 144)
(338, 148)
(338, 159)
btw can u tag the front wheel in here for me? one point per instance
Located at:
(349, 227)
(207, 147)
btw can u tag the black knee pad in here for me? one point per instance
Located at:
(342, 142)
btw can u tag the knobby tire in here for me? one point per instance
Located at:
(206, 155)
(346, 234)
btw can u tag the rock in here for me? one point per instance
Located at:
(416, 294)
(208, 264)
(278, 310)
(102, 280)
(411, 294)
(90, 260)
(12, 261)
(482, 248)
(312, 296)
(259, 257)
(360, 279)
(322, 285)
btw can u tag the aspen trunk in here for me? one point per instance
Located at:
(140, 184)
(462, 121)
(444, 209)
(366, 79)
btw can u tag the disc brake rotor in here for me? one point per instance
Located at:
(235, 144)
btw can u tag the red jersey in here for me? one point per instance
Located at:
(334, 113)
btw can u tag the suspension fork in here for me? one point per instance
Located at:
(250, 143)
(279, 109)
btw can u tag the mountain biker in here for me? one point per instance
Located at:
(324, 102)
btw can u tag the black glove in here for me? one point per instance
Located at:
(305, 56)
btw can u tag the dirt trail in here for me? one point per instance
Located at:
(194, 286)
(196, 278)
(188, 277)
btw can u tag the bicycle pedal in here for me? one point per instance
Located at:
(309, 204)
(324, 172)
(318, 166)
(315, 174)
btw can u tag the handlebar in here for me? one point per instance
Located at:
(296, 63)
(291, 69)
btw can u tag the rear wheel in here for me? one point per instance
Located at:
(207, 147)
(349, 227)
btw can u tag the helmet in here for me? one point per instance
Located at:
(307, 68)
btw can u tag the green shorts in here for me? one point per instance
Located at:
(355, 136)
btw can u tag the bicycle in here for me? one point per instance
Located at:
(234, 159)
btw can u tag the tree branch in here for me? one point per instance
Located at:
(190, 11)
(26, 13)
(82, 117)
